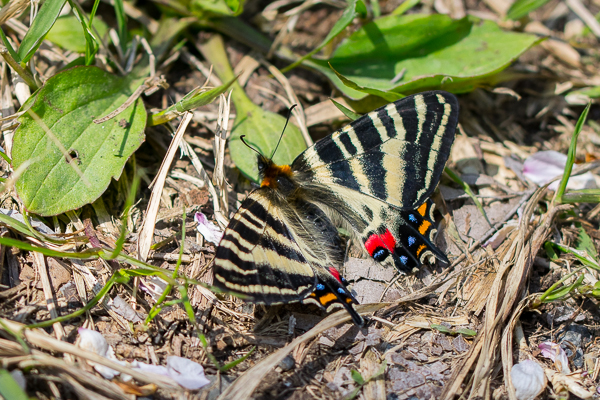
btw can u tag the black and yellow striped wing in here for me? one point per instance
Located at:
(396, 153)
(378, 172)
(373, 177)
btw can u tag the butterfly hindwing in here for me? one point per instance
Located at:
(259, 258)
(403, 238)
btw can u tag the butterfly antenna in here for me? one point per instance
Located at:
(285, 126)
(250, 147)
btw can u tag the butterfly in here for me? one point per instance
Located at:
(373, 178)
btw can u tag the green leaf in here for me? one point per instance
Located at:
(466, 332)
(67, 105)
(405, 6)
(261, 128)
(521, 8)
(351, 12)
(357, 377)
(222, 8)
(66, 33)
(563, 291)
(580, 255)
(195, 98)
(42, 23)
(440, 328)
(572, 154)
(585, 243)
(550, 251)
(347, 112)
(581, 196)
(412, 53)
(9, 388)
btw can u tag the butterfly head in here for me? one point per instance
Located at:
(275, 176)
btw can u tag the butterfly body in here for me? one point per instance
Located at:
(372, 177)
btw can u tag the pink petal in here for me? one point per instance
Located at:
(208, 229)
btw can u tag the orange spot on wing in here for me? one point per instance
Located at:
(420, 249)
(424, 226)
(326, 298)
(423, 209)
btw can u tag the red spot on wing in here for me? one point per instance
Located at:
(335, 274)
(385, 240)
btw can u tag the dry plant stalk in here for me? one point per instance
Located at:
(147, 230)
(507, 289)
(219, 151)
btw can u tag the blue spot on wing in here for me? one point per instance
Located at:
(320, 286)
(411, 240)
(403, 259)
(412, 218)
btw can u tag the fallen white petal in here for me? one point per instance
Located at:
(529, 379)
(209, 230)
(544, 166)
(94, 341)
(187, 373)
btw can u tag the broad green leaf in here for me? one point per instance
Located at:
(67, 33)
(261, 128)
(9, 388)
(42, 23)
(67, 105)
(521, 8)
(412, 53)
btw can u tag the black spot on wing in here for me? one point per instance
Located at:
(368, 212)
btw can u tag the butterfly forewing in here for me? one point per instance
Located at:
(396, 153)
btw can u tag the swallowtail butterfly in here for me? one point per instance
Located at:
(373, 177)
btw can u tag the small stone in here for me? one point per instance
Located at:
(287, 363)
(460, 344)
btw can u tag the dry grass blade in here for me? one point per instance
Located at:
(245, 385)
(40, 339)
(147, 231)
